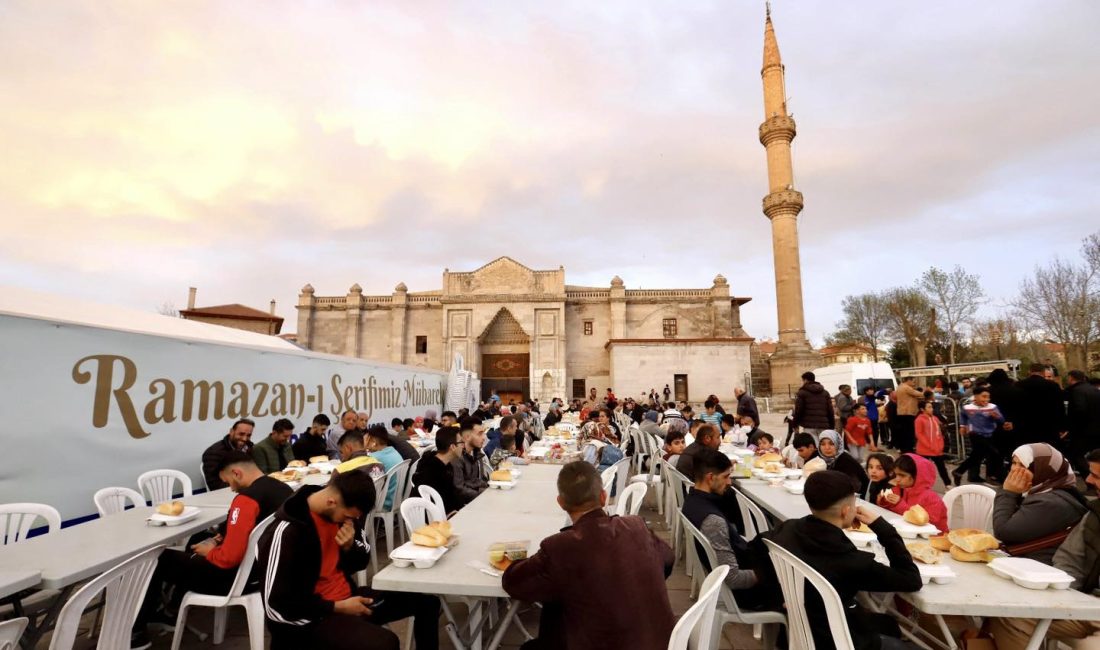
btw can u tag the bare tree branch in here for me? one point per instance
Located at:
(956, 296)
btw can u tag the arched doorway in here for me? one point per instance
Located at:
(505, 359)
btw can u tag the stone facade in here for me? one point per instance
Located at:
(526, 332)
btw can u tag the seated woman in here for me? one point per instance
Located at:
(828, 446)
(601, 428)
(1038, 504)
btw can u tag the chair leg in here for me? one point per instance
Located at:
(373, 537)
(220, 615)
(387, 521)
(660, 499)
(181, 622)
(254, 611)
(769, 636)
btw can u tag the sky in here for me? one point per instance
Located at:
(249, 148)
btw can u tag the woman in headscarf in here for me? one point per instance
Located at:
(601, 428)
(1038, 504)
(828, 447)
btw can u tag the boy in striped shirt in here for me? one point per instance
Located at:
(979, 420)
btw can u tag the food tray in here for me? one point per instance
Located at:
(189, 513)
(940, 574)
(421, 557)
(502, 485)
(909, 531)
(860, 538)
(795, 487)
(324, 468)
(1030, 574)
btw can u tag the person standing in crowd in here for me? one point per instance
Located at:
(871, 404)
(930, 440)
(1082, 418)
(312, 442)
(577, 586)
(471, 479)
(903, 427)
(306, 555)
(667, 393)
(857, 434)
(1078, 556)
(435, 468)
(813, 408)
(746, 405)
(349, 421)
(979, 420)
(819, 540)
(845, 405)
(239, 438)
(273, 453)
(1042, 416)
(1006, 394)
(211, 566)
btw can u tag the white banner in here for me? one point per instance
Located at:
(87, 407)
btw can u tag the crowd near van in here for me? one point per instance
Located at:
(857, 375)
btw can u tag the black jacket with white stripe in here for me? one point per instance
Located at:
(289, 556)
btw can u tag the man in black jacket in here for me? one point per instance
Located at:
(1083, 419)
(435, 469)
(306, 556)
(1042, 416)
(813, 408)
(239, 438)
(312, 442)
(819, 540)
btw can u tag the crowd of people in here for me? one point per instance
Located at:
(884, 446)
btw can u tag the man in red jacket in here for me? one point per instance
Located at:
(211, 565)
(601, 581)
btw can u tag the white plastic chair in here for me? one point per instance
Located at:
(125, 587)
(793, 575)
(202, 473)
(753, 517)
(11, 631)
(252, 602)
(976, 502)
(647, 444)
(729, 612)
(381, 513)
(694, 629)
(112, 500)
(631, 500)
(158, 485)
(417, 512)
(17, 519)
(607, 477)
(409, 479)
(433, 495)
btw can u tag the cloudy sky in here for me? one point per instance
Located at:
(248, 148)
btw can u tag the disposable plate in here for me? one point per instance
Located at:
(502, 485)
(421, 557)
(795, 487)
(909, 531)
(940, 574)
(1031, 574)
(189, 513)
(860, 538)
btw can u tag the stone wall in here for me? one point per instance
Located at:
(712, 367)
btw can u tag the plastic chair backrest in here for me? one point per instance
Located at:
(433, 495)
(125, 585)
(11, 631)
(793, 575)
(679, 484)
(202, 473)
(418, 511)
(381, 484)
(112, 500)
(158, 485)
(977, 506)
(701, 542)
(608, 477)
(17, 519)
(407, 492)
(752, 516)
(244, 571)
(631, 500)
(400, 478)
(693, 630)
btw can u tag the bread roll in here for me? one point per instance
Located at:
(501, 475)
(170, 508)
(973, 540)
(815, 465)
(285, 477)
(940, 542)
(773, 467)
(916, 515)
(963, 556)
(318, 459)
(429, 536)
(443, 527)
(296, 463)
(860, 527)
(923, 552)
(770, 457)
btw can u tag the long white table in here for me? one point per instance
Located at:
(12, 581)
(212, 499)
(529, 511)
(976, 591)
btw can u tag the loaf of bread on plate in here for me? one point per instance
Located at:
(432, 535)
(916, 515)
(170, 508)
(963, 556)
(924, 553)
(815, 465)
(940, 542)
(318, 459)
(762, 460)
(501, 475)
(296, 463)
(285, 477)
(973, 540)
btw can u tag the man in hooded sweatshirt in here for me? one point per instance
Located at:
(819, 540)
(813, 408)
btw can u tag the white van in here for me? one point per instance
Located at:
(857, 375)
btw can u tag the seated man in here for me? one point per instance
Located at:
(1078, 556)
(211, 566)
(448, 419)
(273, 452)
(819, 540)
(706, 437)
(239, 438)
(471, 477)
(435, 469)
(509, 425)
(400, 445)
(354, 455)
(349, 421)
(621, 601)
(377, 442)
(705, 508)
(306, 555)
(312, 442)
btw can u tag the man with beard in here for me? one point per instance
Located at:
(239, 438)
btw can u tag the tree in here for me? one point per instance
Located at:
(912, 318)
(865, 322)
(956, 297)
(167, 308)
(1060, 302)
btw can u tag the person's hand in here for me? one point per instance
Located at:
(1063, 435)
(1018, 481)
(866, 515)
(965, 430)
(891, 497)
(874, 447)
(354, 606)
(346, 535)
(218, 539)
(1007, 426)
(203, 548)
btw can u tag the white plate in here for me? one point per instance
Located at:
(909, 531)
(940, 574)
(324, 468)
(795, 487)
(502, 485)
(860, 538)
(1031, 574)
(515, 473)
(422, 557)
(189, 513)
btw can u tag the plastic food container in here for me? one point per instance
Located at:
(909, 531)
(1031, 574)
(795, 487)
(421, 557)
(502, 485)
(860, 538)
(940, 574)
(189, 513)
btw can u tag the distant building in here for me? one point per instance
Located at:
(234, 315)
(836, 354)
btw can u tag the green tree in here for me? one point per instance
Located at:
(865, 322)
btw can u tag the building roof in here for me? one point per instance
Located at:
(43, 306)
(853, 347)
(235, 310)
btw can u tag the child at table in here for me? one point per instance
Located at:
(880, 469)
(506, 450)
(762, 443)
(914, 477)
(674, 446)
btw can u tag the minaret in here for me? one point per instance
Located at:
(793, 355)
